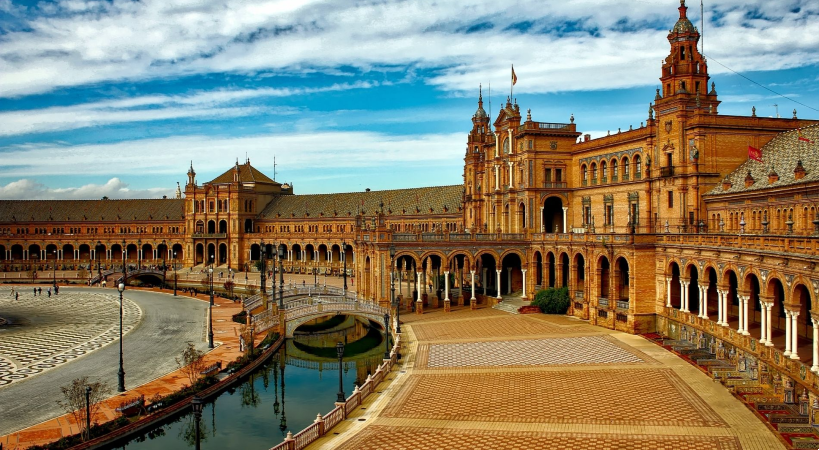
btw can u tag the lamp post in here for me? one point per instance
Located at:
(210, 310)
(386, 336)
(99, 268)
(344, 257)
(174, 274)
(392, 291)
(139, 254)
(164, 267)
(54, 279)
(315, 276)
(88, 411)
(281, 251)
(263, 276)
(121, 373)
(196, 405)
(340, 351)
(124, 256)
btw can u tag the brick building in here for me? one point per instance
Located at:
(665, 227)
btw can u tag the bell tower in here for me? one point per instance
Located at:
(473, 166)
(685, 70)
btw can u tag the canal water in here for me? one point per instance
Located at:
(284, 394)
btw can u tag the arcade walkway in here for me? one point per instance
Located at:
(488, 379)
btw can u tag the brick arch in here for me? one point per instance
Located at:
(563, 197)
(687, 269)
(491, 253)
(437, 253)
(468, 260)
(801, 281)
(510, 252)
(668, 270)
(769, 285)
(409, 254)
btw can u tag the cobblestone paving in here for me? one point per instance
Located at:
(387, 438)
(588, 396)
(573, 350)
(46, 332)
(486, 328)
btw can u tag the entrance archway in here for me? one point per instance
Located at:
(553, 215)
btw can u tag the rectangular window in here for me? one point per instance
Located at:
(609, 214)
(558, 175)
(548, 175)
(691, 217)
(670, 199)
(531, 144)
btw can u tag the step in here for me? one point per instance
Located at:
(511, 309)
(788, 418)
(804, 443)
(796, 429)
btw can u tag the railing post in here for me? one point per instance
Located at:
(291, 443)
(320, 421)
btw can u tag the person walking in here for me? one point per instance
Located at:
(16, 296)
(35, 292)
(49, 292)
(40, 291)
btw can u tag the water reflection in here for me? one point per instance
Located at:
(251, 415)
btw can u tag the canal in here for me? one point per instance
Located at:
(284, 394)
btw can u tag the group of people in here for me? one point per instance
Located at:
(37, 291)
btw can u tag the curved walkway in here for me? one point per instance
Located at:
(486, 379)
(149, 350)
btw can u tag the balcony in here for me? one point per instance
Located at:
(209, 235)
(603, 302)
(622, 304)
(666, 172)
(555, 185)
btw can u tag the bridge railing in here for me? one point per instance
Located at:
(323, 424)
(265, 320)
(252, 302)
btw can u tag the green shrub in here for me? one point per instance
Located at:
(552, 301)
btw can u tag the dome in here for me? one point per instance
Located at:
(480, 113)
(684, 26)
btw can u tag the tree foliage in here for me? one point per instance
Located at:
(192, 363)
(552, 301)
(73, 401)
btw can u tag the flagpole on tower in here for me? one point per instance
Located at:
(512, 87)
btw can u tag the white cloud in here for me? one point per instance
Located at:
(27, 189)
(613, 43)
(212, 155)
(206, 104)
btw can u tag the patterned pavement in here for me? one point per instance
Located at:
(536, 352)
(44, 332)
(388, 438)
(489, 327)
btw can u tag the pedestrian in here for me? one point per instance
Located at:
(17, 296)
(49, 292)
(35, 292)
(12, 290)
(40, 291)
(56, 289)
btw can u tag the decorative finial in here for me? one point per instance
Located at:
(657, 95)
(650, 111)
(713, 89)
(571, 118)
(753, 111)
(529, 115)
(794, 114)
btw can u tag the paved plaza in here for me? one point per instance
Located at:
(486, 379)
(51, 341)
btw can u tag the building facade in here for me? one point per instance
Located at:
(666, 227)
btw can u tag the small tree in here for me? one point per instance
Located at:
(82, 274)
(73, 401)
(552, 301)
(229, 284)
(191, 363)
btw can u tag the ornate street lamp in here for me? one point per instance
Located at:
(340, 351)
(315, 276)
(263, 277)
(139, 254)
(210, 310)
(281, 251)
(88, 411)
(344, 257)
(197, 405)
(392, 291)
(386, 336)
(121, 373)
(54, 279)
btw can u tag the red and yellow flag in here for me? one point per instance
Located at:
(514, 77)
(754, 153)
(802, 137)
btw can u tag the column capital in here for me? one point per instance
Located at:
(523, 270)
(446, 272)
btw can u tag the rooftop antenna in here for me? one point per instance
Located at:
(490, 101)
(702, 27)
(777, 110)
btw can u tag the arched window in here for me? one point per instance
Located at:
(638, 168)
(625, 168)
(614, 169)
(585, 173)
(594, 172)
(604, 168)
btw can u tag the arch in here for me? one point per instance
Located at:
(211, 226)
(309, 252)
(552, 219)
(248, 225)
(162, 251)
(579, 273)
(775, 292)
(255, 252)
(223, 226)
(673, 272)
(730, 282)
(322, 253)
(622, 279)
(177, 253)
(594, 172)
(335, 253)
(210, 255)
(486, 265)
(566, 268)
(85, 251)
(584, 173)
(538, 261)
(200, 226)
(638, 167)
(624, 162)
(199, 255)
(614, 169)
(34, 252)
(147, 252)
(521, 218)
(117, 252)
(512, 274)
(711, 295)
(801, 295)
(67, 252)
(51, 252)
(223, 253)
(604, 170)
(131, 252)
(465, 259)
(603, 275)
(693, 287)
(16, 252)
(2, 252)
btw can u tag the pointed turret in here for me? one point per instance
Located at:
(191, 176)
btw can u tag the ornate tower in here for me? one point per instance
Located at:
(474, 183)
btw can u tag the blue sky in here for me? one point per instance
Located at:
(117, 97)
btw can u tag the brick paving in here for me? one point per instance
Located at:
(557, 351)
(388, 438)
(481, 380)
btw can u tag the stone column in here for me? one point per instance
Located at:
(497, 144)
(542, 225)
(446, 285)
(769, 327)
(509, 280)
(668, 295)
(704, 301)
(511, 174)
(815, 367)
(719, 306)
(795, 336)
(497, 179)
(473, 302)
(419, 302)
(499, 297)
(787, 333)
(745, 301)
(763, 332)
(524, 284)
(484, 279)
(565, 213)
(684, 296)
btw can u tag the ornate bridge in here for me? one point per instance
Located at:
(302, 311)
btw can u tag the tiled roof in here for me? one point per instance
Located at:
(247, 174)
(399, 201)
(90, 210)
(781, 155)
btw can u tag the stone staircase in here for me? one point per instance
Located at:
(511, 303)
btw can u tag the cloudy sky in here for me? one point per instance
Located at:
(117, 97)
